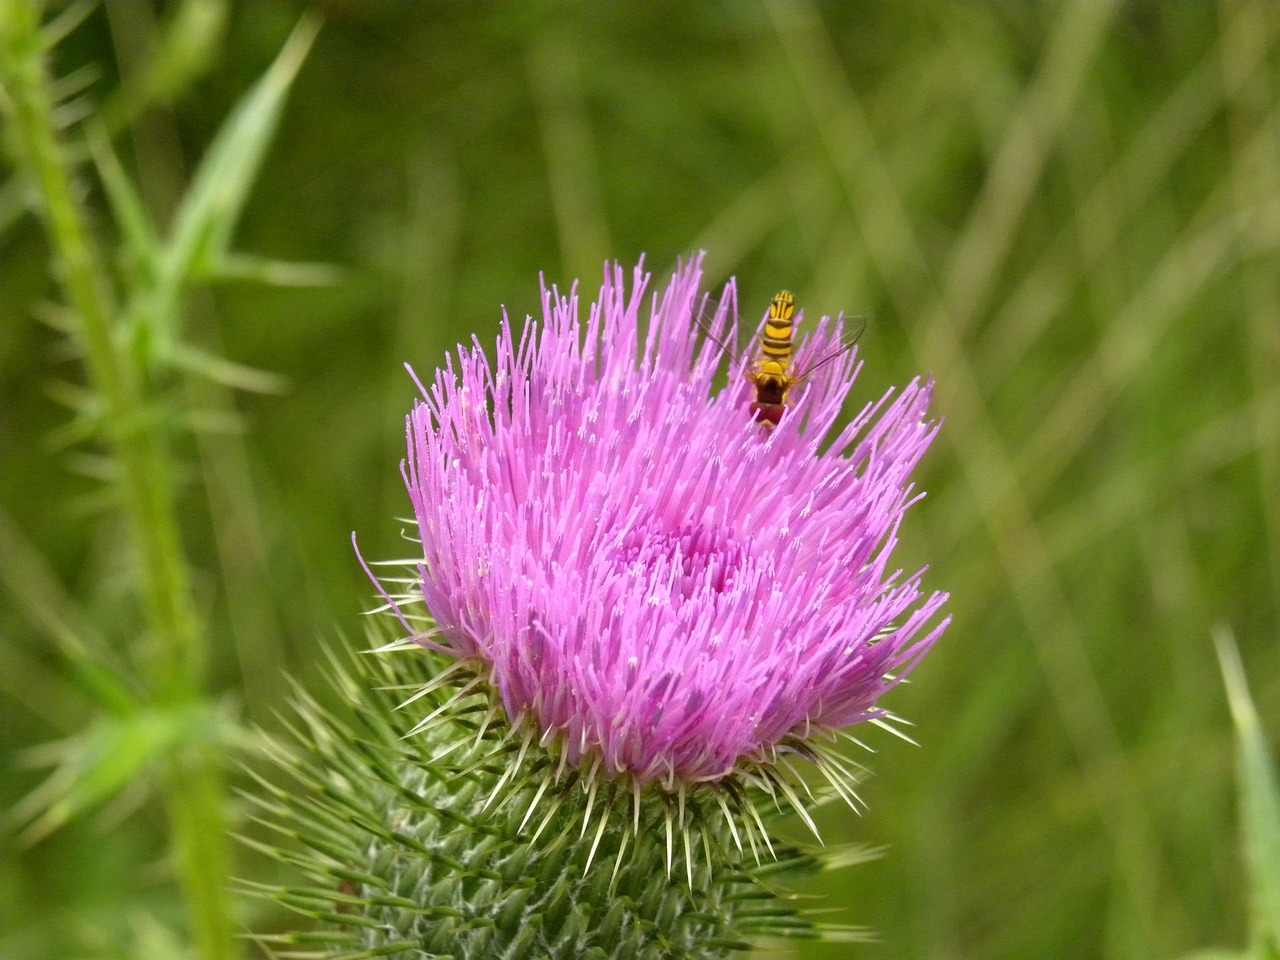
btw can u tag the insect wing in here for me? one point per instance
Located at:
(703, 319)
(853, 330)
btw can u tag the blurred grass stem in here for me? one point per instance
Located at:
(177, 651)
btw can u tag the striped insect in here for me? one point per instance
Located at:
(771, 374)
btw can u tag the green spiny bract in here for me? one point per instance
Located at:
(430, 846)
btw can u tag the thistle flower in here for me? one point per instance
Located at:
(657, 589)
(640, 604)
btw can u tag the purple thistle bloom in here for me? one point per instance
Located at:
(644, 574)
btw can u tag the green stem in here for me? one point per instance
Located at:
(147, 489)
(196, 803)
(177, 665)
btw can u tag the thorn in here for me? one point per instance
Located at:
(764, 834)
(542, 788)
(592, 784)
(667, 819)
(617, 862)
(884, 725)
(728, 818)
(604, 819)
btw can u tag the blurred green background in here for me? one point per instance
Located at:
(1068, 213)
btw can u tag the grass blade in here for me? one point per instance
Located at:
(1259, 802)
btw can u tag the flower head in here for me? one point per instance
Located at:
(649, 578)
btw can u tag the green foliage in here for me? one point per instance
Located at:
(115, 755)
(160, 730)
(197, 246)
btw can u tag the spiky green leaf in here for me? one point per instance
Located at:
(212, 205)
(116, 753)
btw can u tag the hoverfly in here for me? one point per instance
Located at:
(771, 374)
